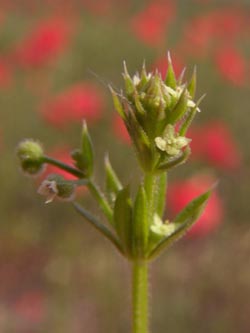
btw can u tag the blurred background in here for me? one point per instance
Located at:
(56, 59)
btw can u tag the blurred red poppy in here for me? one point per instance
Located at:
(214, 143)
(150, 25)
(231, 64)
(30, 307)
(80, 101)
(182, 192)
(215, 27)
(46, 41)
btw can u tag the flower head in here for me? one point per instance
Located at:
(151, 108)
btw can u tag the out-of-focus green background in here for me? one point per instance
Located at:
(56, 273)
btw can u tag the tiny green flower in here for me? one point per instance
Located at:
(161, 228)
(55, 186)
(171, 142)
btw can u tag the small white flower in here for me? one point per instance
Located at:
(171, 142)
(163, 229)
(49, 189)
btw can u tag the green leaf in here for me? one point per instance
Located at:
(140, 224)
(189, 117)
(170, 79)
(84, 157)
(185, 219)
(117, 104)
(129, 84)
(180, 108)
(123, 219)
(98, 225)
(113, 185)
(192, 84)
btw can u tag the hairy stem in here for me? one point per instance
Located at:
(140, 297)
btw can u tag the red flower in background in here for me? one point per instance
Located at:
(231, 65)
(120, 129)
(151, 24)
(44, 43)
(82, 100)
(210, 29)
(182, 192)
(214, 143)
(30, 307)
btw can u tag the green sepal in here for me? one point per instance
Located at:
(192, 84)
(174, 161)
(123, 219)
(185, 220)
(180, 108)
(170, 79)
(129, 84)
(140, 224)
(189, 117)
(84, 157)
(140, 140)
(113, 185)
(117, 103)
(98, 225)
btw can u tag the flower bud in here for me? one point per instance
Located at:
(30, 153)
(55, 186)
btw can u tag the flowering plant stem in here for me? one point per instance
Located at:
(157, 114)
(140, 296)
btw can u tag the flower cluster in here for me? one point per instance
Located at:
(157, 114)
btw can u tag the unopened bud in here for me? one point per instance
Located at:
(30, 153)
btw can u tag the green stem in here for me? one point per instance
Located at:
(63, 166)
(150, 183)
(140, 297)
(93, 188)
(100, 198)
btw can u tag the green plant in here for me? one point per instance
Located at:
(157, 114)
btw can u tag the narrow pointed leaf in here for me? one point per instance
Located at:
(129, 84)
(85, 156)
(192, 84)
(98, 225)
(185, 219)
(117, 104)
(190, 116)
(113, 185)
(123, 219)
(170, 76)
(180, 108)
(140, 224)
